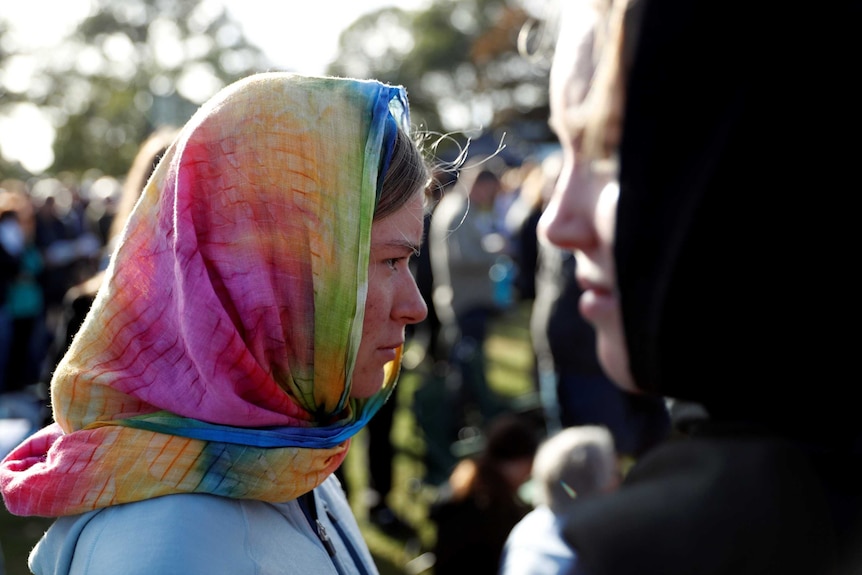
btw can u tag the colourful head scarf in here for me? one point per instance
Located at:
(217, 357)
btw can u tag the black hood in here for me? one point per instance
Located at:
(737, 234)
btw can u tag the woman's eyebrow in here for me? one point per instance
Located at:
(401, 243)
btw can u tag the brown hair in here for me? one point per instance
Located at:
(407, 175)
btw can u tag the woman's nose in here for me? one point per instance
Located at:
(410, 306)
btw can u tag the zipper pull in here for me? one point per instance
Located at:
(327, 543)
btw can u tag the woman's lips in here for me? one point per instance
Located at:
(389, 352)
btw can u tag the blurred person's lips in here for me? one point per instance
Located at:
(597, 300)
(590, 284)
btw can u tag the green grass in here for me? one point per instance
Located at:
(509, 375)
(17, 536)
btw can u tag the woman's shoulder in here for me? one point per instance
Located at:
(191, 518)
(171, 534)
(196, 533)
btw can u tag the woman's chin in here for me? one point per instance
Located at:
(366, 385)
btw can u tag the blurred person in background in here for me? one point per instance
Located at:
(480, 503)
(25, 301)
(570, 466)
(11, 247)
(68, 250)
(465, 244)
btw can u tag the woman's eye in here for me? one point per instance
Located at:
(399, 262)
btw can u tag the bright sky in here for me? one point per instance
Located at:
(303, 34)
(300, 35)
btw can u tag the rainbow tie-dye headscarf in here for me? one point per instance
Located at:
(218, 353)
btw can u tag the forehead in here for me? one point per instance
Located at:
(573, 66)
(405, 224)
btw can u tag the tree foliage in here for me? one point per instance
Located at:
(129, 67)
(459, 60)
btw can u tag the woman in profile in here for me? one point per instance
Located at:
(251, 321)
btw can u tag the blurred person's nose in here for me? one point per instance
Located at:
(569, 219)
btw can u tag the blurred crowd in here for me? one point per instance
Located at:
(56, 237)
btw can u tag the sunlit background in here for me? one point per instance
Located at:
(299, 36)
(83, 81)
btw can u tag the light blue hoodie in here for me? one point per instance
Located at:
(192, 534)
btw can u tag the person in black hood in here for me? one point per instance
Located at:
(706, 166)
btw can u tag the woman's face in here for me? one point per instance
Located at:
(582, 214)
(393, 297)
